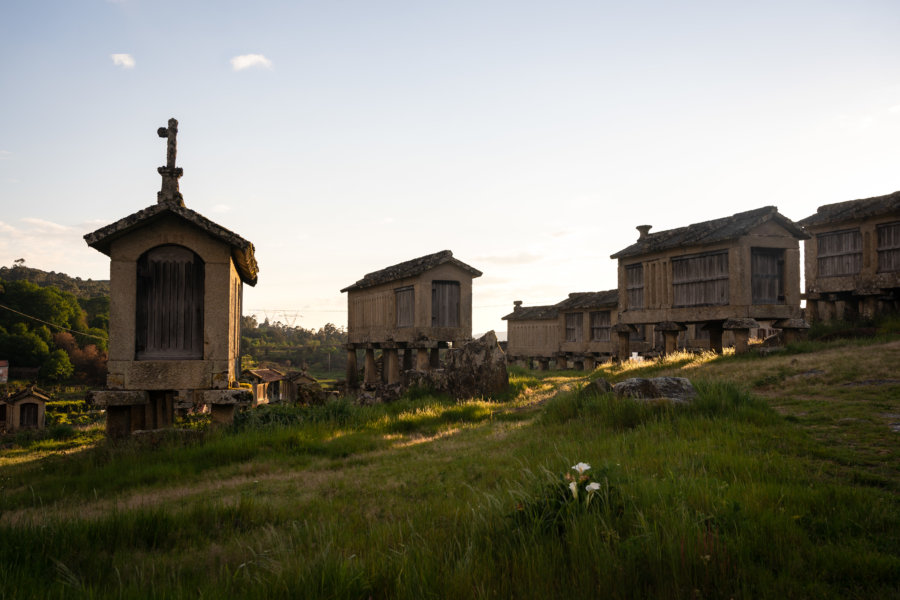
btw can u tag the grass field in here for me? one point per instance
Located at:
(781, 481)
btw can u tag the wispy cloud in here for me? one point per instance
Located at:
(5, 154)
(221, 208)
(249, 61)
(126, 61)
(522, 258)
(42, 225)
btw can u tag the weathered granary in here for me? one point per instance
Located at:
(418, 306)
(175, 310)
(724, 274)
(852, 261)
(585, 325)
(24, 409)
(532, 334)
(579, 330)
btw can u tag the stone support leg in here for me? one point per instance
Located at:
(371, 375)
(118, 421)
(352, 369)
(589, 363)
(624, 346)
(422, 361)
(715, 337)
(671, 341)
(741, 340)
(435, 358)
(561, 362)
(543, 364)
(391, 366)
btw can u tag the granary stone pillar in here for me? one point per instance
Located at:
(391, 365)
(352, 369)
(623, 348)
(793, 330)
(589, 363)
(543, 364)
(715, 335)
(670, 331)
(422, 361)
(868, 303)
(371, 373)
(741, 330)
(435, 358)
(561, 362)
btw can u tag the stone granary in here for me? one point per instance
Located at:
(175, 310)
(578, 330)
(24, 409)
(417, 306)
(852, 261)
(585, 326)
(724, 274)
(532, 335)
(266, 384)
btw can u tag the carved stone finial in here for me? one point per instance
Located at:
(170, 173)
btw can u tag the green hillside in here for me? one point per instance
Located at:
(781, 481)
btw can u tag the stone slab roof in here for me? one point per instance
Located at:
(29, 392)
(265, 375)
(851, 210)
(710, 232)
(532, 313)
(582, 300)
(411, 268)
(241, 250)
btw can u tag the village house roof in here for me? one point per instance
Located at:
(851, 210)
(265, 375)
(411, 268)
(710, 232)
(29, 392)
(242, 251)
(582, 300)
(532, 313)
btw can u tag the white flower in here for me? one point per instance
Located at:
(581, 467)
(574, 487)
(592, 487)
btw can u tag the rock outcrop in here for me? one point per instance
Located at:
(678, 390)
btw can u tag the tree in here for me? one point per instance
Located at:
(57, 366)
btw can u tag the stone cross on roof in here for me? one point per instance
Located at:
(170, 173)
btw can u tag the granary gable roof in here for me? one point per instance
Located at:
(532, 313)
(853, 209)
(411, 268)
(265, 375)
(28, 392)
(710, 232)
(581, 300)
(241, 250)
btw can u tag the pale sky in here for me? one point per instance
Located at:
(529, 138)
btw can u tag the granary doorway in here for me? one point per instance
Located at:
(28, 415)
(169, 320)
(445, 304)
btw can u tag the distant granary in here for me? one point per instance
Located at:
(266, 384)
(24, 409)
(578, 330)
(725, 274)
(852, 261)
(175, 310)
(417, 306)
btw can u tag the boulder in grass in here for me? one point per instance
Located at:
(677, 390)
(477, 369)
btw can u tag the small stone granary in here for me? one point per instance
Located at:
(577, 330)
(175, 310)
(416, 307)
(724, 274)
(852, 262)
(266, 385)
(24, 409)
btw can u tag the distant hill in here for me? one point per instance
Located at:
(78, 287)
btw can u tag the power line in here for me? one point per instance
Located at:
(96, 337)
